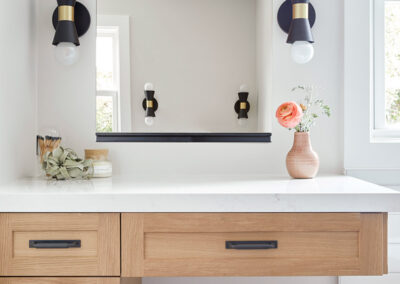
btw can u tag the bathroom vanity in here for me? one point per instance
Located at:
(73, 232)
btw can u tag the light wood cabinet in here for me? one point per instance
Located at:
(296, 244)
(134, 245)
(68, 280)
(60, 244)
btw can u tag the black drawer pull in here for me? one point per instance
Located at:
(47, 244)
(251, 245)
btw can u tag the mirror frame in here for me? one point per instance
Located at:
(184, 137)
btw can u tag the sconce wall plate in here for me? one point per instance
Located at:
(242, 106)
(81, 17)
(285, 15)
(150, 104)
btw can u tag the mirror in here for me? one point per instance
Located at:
(196, 54)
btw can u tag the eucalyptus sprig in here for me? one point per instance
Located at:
(63, 164)
(312, 107)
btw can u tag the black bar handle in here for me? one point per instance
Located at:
(49, 244)
(251, 245)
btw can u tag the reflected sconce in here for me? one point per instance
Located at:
(296, 18)
(71, 19)
(242, 106)
(150, 104)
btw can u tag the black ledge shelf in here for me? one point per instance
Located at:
(184, 137)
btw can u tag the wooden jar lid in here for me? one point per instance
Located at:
(96, 155)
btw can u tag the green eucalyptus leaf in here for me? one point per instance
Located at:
(64, 164)
(75, 173)
(57, 153)
(64, 156)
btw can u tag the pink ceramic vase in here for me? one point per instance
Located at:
(302, 162)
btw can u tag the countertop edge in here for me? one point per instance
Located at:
(205, 203)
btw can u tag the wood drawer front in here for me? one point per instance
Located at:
(59, 280)
(98, 254)
(326, 244)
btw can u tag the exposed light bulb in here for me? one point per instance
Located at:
(149, 121)
(67, 53)
(149, 87)
(242, 121)
(243, 89)
(302, 52)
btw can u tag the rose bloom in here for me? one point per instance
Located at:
(289, 114)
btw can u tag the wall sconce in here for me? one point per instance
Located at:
(71, 20)
(296, 18)
(242, 106)
(150, 104)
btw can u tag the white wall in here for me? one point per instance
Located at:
(325, 72)
(377, 162)
(17, 89)
(197, 53)
(265, 22)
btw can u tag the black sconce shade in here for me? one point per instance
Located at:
(300, 29)
(242, 106)
(150, 104)
(71, 20)
(296, 18)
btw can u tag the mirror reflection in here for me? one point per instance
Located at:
(181, 66)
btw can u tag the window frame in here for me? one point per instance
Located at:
(108, 24)
(115, 101)
(380, 132)
(113, 92)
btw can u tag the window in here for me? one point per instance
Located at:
(113, 96)
(108, 87)
(387, 69)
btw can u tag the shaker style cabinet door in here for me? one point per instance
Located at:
(59, 245)
(252, 244)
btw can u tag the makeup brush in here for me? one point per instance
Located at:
(46, 144)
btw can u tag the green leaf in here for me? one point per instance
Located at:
(64, 164)
(57, 153)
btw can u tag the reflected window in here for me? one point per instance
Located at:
(107, 78)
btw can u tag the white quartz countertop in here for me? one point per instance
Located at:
(199, 194)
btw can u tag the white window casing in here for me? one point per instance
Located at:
(118, 27)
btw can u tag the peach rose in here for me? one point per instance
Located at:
(289, 114)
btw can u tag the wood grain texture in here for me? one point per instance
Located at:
(212, 245)
(371, 244)
(385, 243)
(60, 280)
(98, 256)
(250, 222)
(309, 244)
(88, 244)
(132, 243)
(249, 267)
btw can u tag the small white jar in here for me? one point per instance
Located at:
(102, 167)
